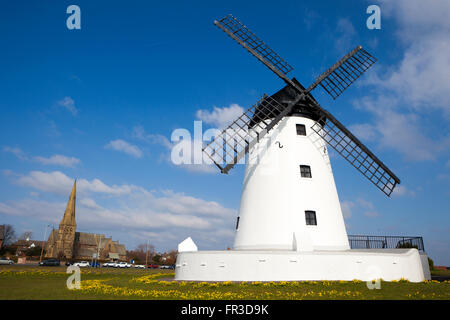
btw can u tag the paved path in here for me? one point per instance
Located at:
(440, 278)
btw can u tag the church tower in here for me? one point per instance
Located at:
(66, 232)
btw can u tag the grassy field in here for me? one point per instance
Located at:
(445, 273)
(32, 282)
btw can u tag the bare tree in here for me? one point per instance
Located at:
(139, 254)
(171, 257)
(9, 234)
(26, 235)
(143, 248)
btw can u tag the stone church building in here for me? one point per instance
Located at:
(66, 243)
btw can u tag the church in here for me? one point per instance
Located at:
(66, 243)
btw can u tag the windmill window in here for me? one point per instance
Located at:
(305, 171)
(310, 217)
(301, 129)
(237, 223)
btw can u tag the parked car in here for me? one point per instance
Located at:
(49, 262)
(94, 264)
(106, 265)
(153, 266)
(69, 263)
(4, 260)
(139, 266)
(82, 264)
(164, 267)
(124, 264)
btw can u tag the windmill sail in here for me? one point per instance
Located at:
(233, 143)
(242, 35)
(355, 152)
(344, 72)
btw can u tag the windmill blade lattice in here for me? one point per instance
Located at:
(242, 35)
(233, 143)
(359, 156)
(344, 72)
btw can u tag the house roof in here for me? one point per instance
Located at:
(27, 243)
(90, 239)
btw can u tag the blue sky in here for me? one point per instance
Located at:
(100, 104)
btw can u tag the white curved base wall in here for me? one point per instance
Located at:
(361, 264)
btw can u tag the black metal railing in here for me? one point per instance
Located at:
(385, 242)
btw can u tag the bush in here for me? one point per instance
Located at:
(7, 250)
(36, 251)
(430, 263)
(407, 245)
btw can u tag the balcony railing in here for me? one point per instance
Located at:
(385, 242)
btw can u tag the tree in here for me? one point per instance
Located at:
(140, 252)
(143, 247)
(171, 257)
(157, 258)
(26, 235)
(9, 234)
(34, 251)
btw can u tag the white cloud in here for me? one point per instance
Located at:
(371, 214)
(16, 151)
(39, 209)
(220, 117)
(422, 78)
(401, 190)
(345, 35)
(57, 182)
(400, 132)
(56, 159)
(54, 182)
(125, 147)
(59, 160)
(69, 104)
(180, 203)
(138, 132)
(200, 168)
(407, 94)
(346, 207)
(89, 203)
(349, 207)
(364, 131)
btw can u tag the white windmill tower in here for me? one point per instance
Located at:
(290, 224)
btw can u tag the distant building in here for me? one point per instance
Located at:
(23, 245)
(67, 244)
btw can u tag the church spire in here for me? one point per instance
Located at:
(69, 214)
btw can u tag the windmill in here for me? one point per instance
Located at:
(294, 98)
(290, 215)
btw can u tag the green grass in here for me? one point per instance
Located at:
(28, 282)
(436, 272)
